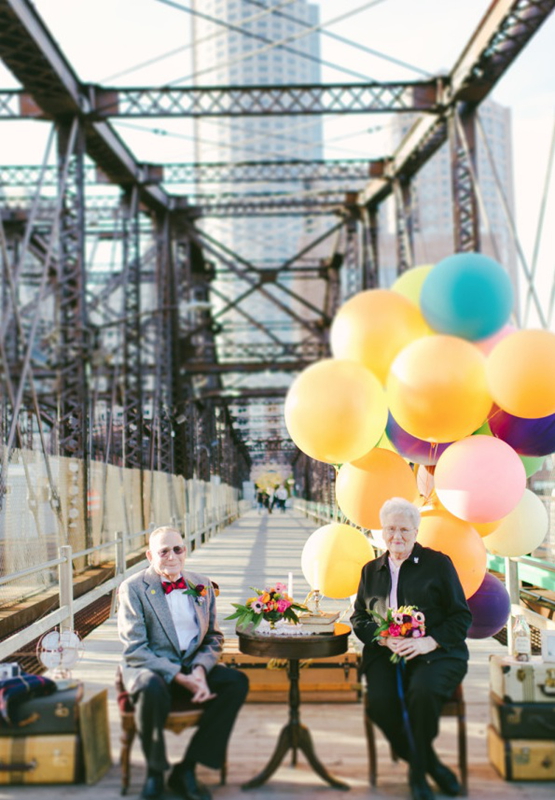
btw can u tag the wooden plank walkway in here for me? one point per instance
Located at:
(255, 550)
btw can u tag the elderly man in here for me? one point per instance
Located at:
(171, 648)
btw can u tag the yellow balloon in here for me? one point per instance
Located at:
(373, 326)
(361, 488)
(456, 538)
(437, 389)
(409, 283)
(335, 410)
(333, 557)
(521, 373)
(521, 531)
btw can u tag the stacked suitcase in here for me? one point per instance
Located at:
(521, 734)
(46, 738)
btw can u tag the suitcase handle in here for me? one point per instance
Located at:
(542, 686)
(22, 767)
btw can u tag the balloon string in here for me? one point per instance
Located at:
(404, 709)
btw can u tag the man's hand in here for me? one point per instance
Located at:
(408, 648)
(196, 684)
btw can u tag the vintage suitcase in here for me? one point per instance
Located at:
(55, 713)
(522, 720)
(522, 681)
(522, 759)
(40, 759)
(322, 680)
(94, 731)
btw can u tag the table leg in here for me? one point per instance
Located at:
(294, 736)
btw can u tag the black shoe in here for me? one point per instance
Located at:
(184, 783)
(419, 787)
(153, 787)
(445, 779)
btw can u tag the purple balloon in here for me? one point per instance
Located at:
(490, 606)
(417, 450)
(528, 437)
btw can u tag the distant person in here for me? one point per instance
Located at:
(260, 501)
(281, 496)
(171, 647)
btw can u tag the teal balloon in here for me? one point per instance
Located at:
(532, 464)
(467, 295)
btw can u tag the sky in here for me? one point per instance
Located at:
(105, 40)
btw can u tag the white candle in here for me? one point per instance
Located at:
(316, 576)
(290, 584)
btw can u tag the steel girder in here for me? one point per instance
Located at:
(211, 101)
(462, 136)
(338, 171)
(404, 210)
(131, 312)
(73, 434)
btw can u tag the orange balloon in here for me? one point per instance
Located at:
(362, 487)
(442, 531)
(485, 528)
(373, 326)
(437, 389)
(521, 373)
(335, 410)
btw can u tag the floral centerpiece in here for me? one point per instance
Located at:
(403, 621)
(272, 604)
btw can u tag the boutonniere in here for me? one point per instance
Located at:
(198, 591)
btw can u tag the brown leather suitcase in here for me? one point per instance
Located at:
(522, 759)
(40, 759)
(57, 713)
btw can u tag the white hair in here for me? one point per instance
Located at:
(398, 505)
(160, 531)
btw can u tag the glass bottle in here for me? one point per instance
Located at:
(522, 644)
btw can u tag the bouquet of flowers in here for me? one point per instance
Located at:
(403, 621)
(272, 604)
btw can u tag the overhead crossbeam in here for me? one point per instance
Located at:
(248, 101)
(337, 170)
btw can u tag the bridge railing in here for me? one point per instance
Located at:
(197, 529)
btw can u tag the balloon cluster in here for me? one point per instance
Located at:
(432, 395)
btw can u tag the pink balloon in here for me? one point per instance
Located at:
(487, 345)
(480, 479)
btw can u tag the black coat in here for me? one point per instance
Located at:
(427, 580)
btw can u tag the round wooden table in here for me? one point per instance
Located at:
(293, 735)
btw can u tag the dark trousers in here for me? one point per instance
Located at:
(208, 746)
(426, 684)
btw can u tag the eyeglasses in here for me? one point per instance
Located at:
(165, 551)
(391, 529)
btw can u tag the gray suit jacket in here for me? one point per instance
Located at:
(148, 634)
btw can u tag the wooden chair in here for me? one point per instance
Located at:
(178, 720)
(455, 707)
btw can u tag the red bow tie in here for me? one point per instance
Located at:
(169, 586)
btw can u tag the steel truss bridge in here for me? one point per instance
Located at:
(129, 366)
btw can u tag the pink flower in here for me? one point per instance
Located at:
(257, 607)
(283, 605)
(394, 630)
(417, 633)
(281, 587)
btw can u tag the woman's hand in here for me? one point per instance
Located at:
(407, 647)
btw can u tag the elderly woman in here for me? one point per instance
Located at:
(431, 666)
